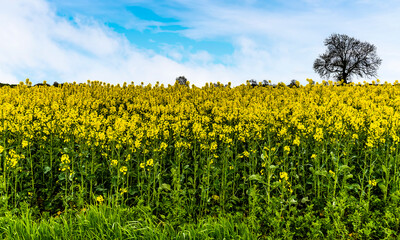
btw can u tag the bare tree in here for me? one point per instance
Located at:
(347, 56)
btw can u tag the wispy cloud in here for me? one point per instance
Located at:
(38, 44)
(271, 39)
(288, 35)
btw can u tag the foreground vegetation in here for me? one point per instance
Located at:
(318, 161)
(106, 222)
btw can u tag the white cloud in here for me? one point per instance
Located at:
(35, 43)
(286, 41)
(268, 44)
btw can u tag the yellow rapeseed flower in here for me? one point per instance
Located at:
(284, 175)
(246, 154)
(263, 164)
(296, 141)
(213, 146)
(100, 199)
(114, 163)
(24, 143)
(163, 146)
(286, 149)
(319, 135)
(150, 162)
(65, 159)
(123, 190)
(123, 169)
(372, 182)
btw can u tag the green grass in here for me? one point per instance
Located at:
(340, 220)
(105, 222)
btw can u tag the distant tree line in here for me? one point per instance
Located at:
(55, 84)
(182, 80)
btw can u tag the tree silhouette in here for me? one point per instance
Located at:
(182, 80)
(347, 56)
(294, 83)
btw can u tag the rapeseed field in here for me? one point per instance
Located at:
(315, 161)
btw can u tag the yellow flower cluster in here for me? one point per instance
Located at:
(100, 199)
(123, 169)
(24, 143)
(163, 146)
(285, 177)
(148, 163)
(13, 158)
(114, 163)
(132, 122)
(65, 159)
(104, 115)
(372, 182)
(123, 190)
(286, 149)
(65, 163)
(319, 135)
(296, 141)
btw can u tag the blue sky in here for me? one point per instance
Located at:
(206, 41)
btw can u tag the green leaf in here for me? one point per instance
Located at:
(258, 178)
(255, 177)
(46, 169)
(165, 186)
(100, 188)
(353, 186)
(382, 186)
(97, 167)
(61, 176)
(384, 169)
(348, 176)
(343, 168)
(321, 173)
(273, 166)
